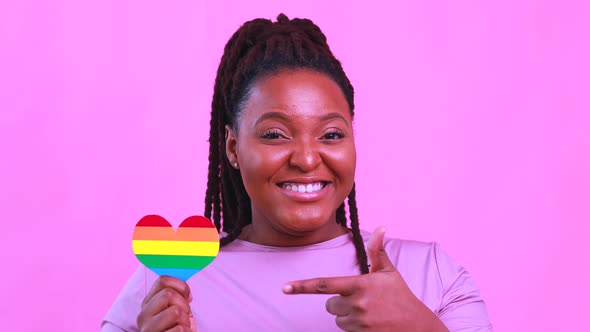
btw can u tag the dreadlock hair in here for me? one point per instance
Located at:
(260, 48)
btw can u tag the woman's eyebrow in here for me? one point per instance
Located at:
(272, 115)
(333, 116)
(283, 116)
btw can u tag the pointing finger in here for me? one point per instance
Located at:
(337, 285)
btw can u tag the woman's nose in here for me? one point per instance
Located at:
(305, 156)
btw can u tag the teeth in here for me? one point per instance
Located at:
(303, 188)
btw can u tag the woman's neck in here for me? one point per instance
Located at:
(264, 235)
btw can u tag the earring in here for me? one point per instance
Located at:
(235, 164)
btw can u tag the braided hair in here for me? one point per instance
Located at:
(257, 49)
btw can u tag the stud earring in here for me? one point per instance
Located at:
(235, 164)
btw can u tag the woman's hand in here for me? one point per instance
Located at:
(378, 301)
(166, 307)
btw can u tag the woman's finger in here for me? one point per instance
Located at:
(168, 282)
(346, 323)
(179, 328)
(338, 306)
(171, 317)
(167, 297)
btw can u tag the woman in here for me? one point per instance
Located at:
(281, 171)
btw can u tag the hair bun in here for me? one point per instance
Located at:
(282, 18)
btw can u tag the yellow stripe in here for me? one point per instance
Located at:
(182, 248)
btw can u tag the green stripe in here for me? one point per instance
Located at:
(173, 261)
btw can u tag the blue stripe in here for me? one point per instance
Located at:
(182, 274)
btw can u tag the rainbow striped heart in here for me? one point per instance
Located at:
(180, 253)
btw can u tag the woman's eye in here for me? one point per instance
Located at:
(333, 135)
(271, 135)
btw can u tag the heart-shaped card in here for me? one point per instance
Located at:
(181, 253)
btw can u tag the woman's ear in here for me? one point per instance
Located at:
(231, 146)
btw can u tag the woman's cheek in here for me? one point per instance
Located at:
(342, 161)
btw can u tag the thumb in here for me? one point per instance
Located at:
(377, 254)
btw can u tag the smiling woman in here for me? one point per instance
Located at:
(296, 155)
(282, 165)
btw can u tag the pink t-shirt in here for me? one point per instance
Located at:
(242, 289)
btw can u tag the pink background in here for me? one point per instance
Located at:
(473, 130)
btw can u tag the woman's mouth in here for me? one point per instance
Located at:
(304, 188)
(304, 191)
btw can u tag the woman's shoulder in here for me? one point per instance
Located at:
(439, 281)
(416, 259)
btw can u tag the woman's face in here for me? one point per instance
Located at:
(296, 153)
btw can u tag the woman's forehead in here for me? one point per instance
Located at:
(296, 94)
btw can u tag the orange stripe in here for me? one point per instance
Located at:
(168, 234)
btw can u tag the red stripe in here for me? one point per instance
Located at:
(153, 220)
(197, 221)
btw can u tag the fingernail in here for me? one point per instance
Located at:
(288, 289)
